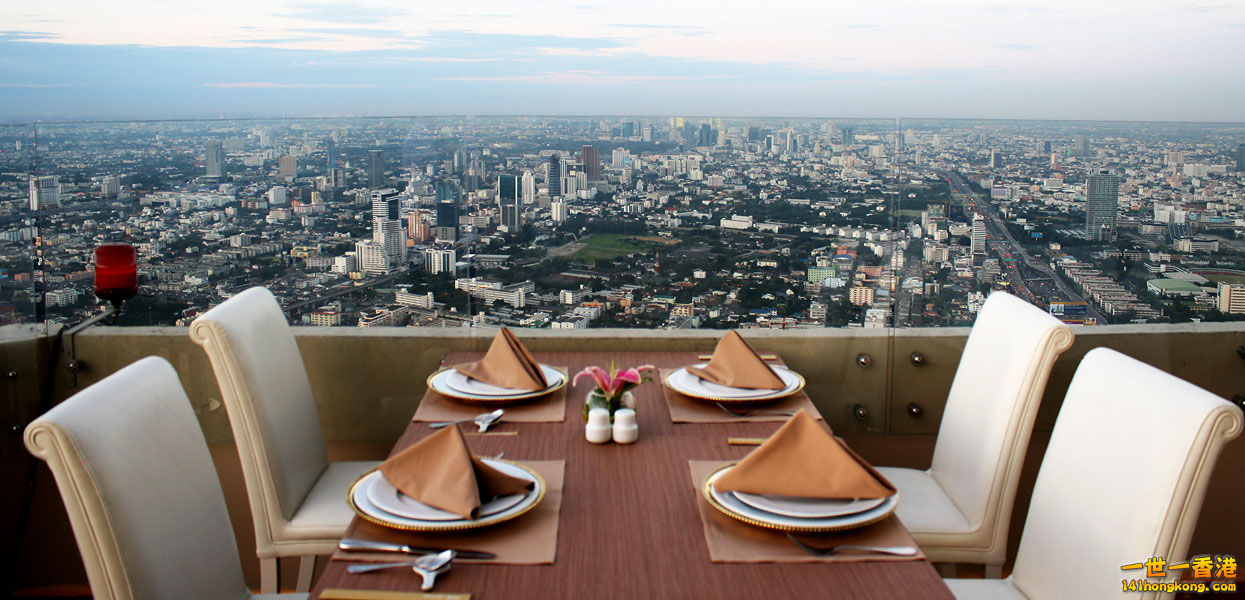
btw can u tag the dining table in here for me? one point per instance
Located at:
(631, 520)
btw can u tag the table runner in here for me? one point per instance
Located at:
(686, 410)
(733, 541)
(531, 539)
(547, 409)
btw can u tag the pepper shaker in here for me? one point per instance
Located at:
(625, 429)
(597, 430)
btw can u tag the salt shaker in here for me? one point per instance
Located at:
(597, 430)
(625, 429)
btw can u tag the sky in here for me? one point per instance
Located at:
(1054, 59)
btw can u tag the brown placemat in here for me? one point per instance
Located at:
(684, 409)
(733, 541)
(344, 594)
(531, 539)
(546, 409)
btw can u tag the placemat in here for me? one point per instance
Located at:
(686, 410)
(732, 541)
(547, 409)
(344, 594)
(531, 539)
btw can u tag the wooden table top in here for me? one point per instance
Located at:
(629, 526)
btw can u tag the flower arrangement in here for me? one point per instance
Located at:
(613, 386)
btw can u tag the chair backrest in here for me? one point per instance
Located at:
(268, 397)
(140, 488)
(991, 408)
(1123, 478)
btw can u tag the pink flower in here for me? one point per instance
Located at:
(613, 382)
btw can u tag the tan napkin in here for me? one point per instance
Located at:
(804, 460)
(507, 364)
(441, 471)
(736, 364)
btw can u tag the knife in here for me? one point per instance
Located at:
(349, 544)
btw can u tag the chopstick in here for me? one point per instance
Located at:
(510, 432)
(745, 441)
(763, 357)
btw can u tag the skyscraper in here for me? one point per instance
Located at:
(1082, 145)
(557, 211)
(977, 243)
(591, 157)
(215, 159)
(385, 204)
(1102, 195)
(509, 203)
(45, 192)
(996, 159)
(330, 158)
(1240, 157)
(553, 176)
(528, 190)
(287, 166)
(375, 169)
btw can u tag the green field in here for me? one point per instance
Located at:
(605, 245)
(1224, 277)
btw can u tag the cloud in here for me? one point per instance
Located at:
(571, 78)
(27, 36)
(297, 39)
(1204, 8)
(1015, 46)
(342, 13)
(35, 85)
(270, 84)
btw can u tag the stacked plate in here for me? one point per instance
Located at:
(789, 513)
(449, 382)
(692, 386)
(376, 500)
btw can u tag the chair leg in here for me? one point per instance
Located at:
(306, 568)
(269, 580)
(993, 572)
(947, 570)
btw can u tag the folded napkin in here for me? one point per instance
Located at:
(804, 460)
(441, 471)
(736, 364)
(507, 364)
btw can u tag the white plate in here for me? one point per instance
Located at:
(808, 508)
(439, 382)
(475, 387)
(369, 511)
(388, 498)
(730, 504)
(684, 382)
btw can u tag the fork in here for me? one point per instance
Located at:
(832, 550)
(747, 413)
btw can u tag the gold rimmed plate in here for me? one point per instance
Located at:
(684, 382)
(367, 510)
(728, 504)
(452, 384)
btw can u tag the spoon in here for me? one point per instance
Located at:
(428, 566)
(482, 420)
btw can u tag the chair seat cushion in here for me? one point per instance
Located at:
(324, 513)
(923, 506)
(984, 589)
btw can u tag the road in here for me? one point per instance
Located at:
(298, 308)
(997, 230)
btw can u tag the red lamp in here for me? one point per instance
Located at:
(116, 273)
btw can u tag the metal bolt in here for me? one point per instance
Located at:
(914, 410)
(11, 373)
(73, 366)
(860, 412)
(1240, 351)
(917, 358)
(864, 360)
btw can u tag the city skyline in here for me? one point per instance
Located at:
(1057, 60)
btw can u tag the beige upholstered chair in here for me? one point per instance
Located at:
(1123, 480)
(298, 498)
(141, 491)
(959, 509)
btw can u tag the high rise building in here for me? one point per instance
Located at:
(1231, 298)
(385, 204)
(591, 158)
(287, 166)
(45, 192)
(276, 196)
(1102, 200)
(440, 260)
(528, 187)
(375, 169)
(996, 159)
(1082, 145)
(509, 203)
(215, 159)
(977, 243)
(447, 214)
(848, 136)
(1240, 157)
(557, 210)
(330, 157)
(553, 176)
(388, 233)
(109, 186)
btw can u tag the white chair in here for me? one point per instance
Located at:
(1123, 480)
(297, 497)
(141, 490)
(960, 508)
